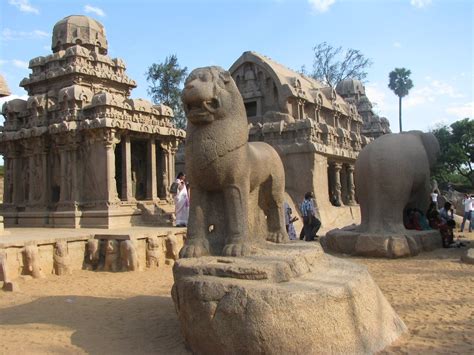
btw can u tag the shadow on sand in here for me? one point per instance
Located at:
(143, 324)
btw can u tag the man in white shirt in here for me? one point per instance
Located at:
(468, 203)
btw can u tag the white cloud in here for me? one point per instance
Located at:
(20, 64)
(397, 44)
(376, 96)
(463, 111)
(94, 10)
(420, 3)
(430, 93)
(2, 61)
(445, 89)
(24, 6)
(8, 34)
(321, 5)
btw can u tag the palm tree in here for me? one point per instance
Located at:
(400, 83)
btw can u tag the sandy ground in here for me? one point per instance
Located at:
(131, 313)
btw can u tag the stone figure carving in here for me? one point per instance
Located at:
(32, 261)
(112, 253)
(38, 178)
(235, 183)
(8, 285)
(172, 248)
(92, 260)
(152, 252)
(391, 174)
(62, 261)
(129, 256)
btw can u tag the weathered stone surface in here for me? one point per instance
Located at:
(352, 242)
(172, 246)
(237, 187)
(284, 300)
(112, 256)
(129, 256)
(32, 261)
(468, 256)
(92, 258)
(383, 196)
(8, 285)
(62, 261)
(153, 246)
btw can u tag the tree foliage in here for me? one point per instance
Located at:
(165, 86)
(400, 83)
(457, 150)
(331, 65)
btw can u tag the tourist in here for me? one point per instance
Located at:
(446, 213)
(446, 231)
(289, 220)
(468, 203)
(434, 196)
(181, 201)
(311, 223)
(432, 214)
(416, 220)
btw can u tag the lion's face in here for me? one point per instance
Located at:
(203, 94)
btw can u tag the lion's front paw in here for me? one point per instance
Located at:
(277, 237)
(194, 250)
(236, 249)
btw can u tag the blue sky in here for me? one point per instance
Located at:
(432, 38)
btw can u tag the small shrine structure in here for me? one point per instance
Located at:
(79, 152)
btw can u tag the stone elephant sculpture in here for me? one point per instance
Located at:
(391, 174)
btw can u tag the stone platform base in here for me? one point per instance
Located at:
(286, 299)
(411, 243)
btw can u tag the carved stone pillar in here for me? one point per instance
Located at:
(64, 188)
(74, 183)
(337, 201)
(127, 194)
(16, 179)
(45, 176)
(7, 187)
(110, 141)
(151, 170)
(32, 183)
(350, 184)
(165, 173)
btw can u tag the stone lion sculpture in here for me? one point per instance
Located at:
(237, 186)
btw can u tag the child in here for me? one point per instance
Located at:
(290, 228)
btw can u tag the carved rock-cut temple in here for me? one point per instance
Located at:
(316, 132)
(79, 152)
(353, 91)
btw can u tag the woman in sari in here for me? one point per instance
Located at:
(181, 201)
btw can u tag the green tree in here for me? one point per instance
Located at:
(165, 86)
(457, 150)
(331, 65)
(400, 83)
